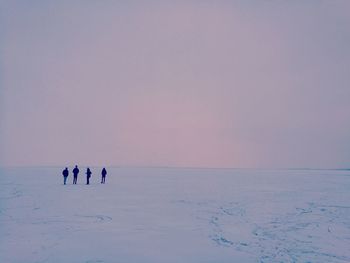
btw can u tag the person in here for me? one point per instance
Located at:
(65, 175)
(88, 175)
(104, 172)
(75, 174)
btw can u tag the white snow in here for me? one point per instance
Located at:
(175, 215)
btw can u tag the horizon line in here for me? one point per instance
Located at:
(175, 167)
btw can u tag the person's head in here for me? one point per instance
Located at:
(66, 168)
(76, 166)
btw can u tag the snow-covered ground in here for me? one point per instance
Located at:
(175, 215)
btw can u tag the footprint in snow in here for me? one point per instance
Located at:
(96, 218)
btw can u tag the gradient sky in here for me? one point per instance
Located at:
(175, 83)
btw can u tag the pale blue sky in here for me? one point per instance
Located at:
(175, 83)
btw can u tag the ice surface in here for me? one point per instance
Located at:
(175, 215)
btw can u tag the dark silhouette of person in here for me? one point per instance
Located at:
(88, 175)
(75, 174)
(65, 175)
(103, 173)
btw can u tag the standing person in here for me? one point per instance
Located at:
(88, 175)
(75, 174)
(65, 175)
(104, 172)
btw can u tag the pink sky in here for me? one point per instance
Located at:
(182, 83)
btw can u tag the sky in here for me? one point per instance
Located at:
(246, 84)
